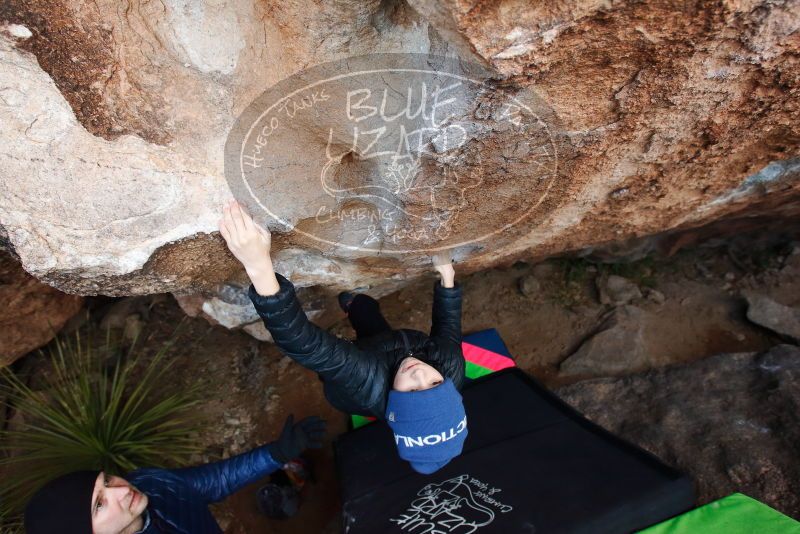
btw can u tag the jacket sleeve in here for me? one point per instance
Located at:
(446, 317)
(333, 358)
(217, 480)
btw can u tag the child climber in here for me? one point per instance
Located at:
(409, 379)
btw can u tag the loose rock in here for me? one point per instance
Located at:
(764, 311)
(616, 290)
(528, 285)
(619, 347)
(119, 312)
(655, 296)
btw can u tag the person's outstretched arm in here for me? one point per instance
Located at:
(275, 301)
(250, 244)
(446, 316)
(216, 481)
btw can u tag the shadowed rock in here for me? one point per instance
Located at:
(32, 313)
(729, 421)
(765, 312)
(619, 347)
(616, 290)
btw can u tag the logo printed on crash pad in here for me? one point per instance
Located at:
(461, 504)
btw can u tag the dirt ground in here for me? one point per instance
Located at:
(252, 387)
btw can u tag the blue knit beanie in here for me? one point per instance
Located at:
(429, 426)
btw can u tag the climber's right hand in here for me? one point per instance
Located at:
(247, 241)
(443, 264)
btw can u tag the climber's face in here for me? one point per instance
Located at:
(117, 507)
(416, 375)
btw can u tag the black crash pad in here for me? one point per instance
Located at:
(530, 464)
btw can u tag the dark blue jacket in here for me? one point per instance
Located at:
(178, 499)
(359, 375)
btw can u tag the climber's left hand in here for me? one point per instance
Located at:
(443, 264)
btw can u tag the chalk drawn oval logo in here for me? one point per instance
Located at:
(393, 154)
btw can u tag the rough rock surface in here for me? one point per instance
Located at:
(764, 311)
(730, 421)
(232, 308)
(32, 312)
(620, 346)
(529, 285)
(115, 116)
(617, 290)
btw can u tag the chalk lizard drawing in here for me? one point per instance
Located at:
(400, 171)
(448, 507)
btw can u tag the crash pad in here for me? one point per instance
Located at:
(530, 463)
(734, 514)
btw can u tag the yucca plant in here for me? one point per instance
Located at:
(102, 407)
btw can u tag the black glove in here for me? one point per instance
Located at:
(295, 438)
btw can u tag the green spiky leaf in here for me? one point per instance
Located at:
(101, 407)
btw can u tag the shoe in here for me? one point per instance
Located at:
(345, 299)
(278, 500)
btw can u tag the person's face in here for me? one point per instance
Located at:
(416, 375)
(117, 507)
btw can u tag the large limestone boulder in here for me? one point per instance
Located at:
(648, 117)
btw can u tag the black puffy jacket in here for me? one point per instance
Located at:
(359, 375)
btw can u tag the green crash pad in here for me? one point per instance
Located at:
(734, 514)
